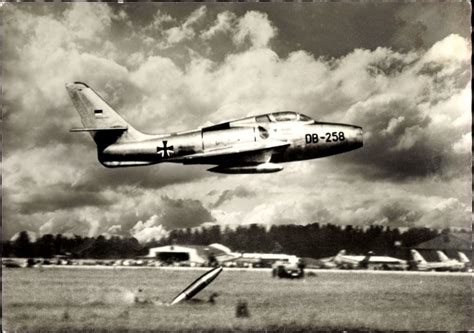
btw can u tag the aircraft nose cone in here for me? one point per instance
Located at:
(355, 136)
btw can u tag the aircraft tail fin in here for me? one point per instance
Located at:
(364, 263)
(99, 119)
(443, 257)
(339, 254)
(463, 257)
(418, 257)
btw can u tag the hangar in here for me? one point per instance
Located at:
(449, 242)
(193, 254)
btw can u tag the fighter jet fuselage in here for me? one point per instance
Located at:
(299, 141)
(345, 261)
(248, 145)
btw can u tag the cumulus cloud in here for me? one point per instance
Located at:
(410, 133)
(173, 213)
(148, 230)
(256, 28)
(184, 213)
(392, 210)
(451, 50)
(185, 31)
(61, 196)
(397, 214)
(115, 229)
(64, 223)
(159, 19)
(448, 212)
(464, 145)
(84, 22)
(224, 23)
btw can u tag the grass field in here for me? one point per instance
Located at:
(77, 299)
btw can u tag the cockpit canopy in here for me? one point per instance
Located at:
(274, 117)
(282, 116)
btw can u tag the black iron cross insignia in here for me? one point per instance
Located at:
(164, 151)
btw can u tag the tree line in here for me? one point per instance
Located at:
(48, 246)
(312, 240)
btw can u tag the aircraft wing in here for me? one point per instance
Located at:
(242, 154)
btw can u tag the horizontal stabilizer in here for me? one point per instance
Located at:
(84, 129)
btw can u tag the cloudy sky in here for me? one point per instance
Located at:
(401, 71)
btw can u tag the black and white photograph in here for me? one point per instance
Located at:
(236, 166)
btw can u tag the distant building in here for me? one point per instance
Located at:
(449, 242)
(192, 254)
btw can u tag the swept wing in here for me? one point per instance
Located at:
(236, 155)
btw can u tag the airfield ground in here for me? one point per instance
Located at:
(64, 299)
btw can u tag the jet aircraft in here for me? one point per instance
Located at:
(248, 145)
(343, 260)
(455, 265)
(467, 263)
(422, 265)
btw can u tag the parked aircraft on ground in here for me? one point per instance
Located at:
(14, 262)
(422, 265)
(465, 260)
(456, 265)
(343, 260)
(326, 263)
(247, 145)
